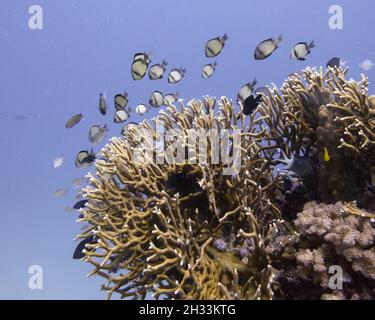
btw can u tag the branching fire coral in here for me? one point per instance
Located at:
(187, 229)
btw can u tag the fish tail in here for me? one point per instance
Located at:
(164, 63)
(326, 156)
(279, 38)
(225, 37)
(312, 44)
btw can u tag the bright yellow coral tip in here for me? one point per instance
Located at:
(326, 156)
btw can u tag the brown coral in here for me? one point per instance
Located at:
(162, 235)
(183, 229)
(331, 235)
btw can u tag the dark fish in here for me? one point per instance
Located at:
(73, 120)
(214, 46)
(183, 183)
(80, 204)
(139, 65)
(301, 50)
(333, 62)
(78, 254)
(84, 159)
(264, 49)
(251, 103)
(301, 165)
(102, 104)
(245, 91)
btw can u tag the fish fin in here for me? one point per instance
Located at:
(326, 156)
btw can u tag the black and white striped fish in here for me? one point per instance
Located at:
(266, 48)
(208, 70)
(176, 75)
(214, 46)
(157, 70)
(140, 65)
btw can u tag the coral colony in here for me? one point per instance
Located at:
(297, 204)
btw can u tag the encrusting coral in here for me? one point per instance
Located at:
(186, 230)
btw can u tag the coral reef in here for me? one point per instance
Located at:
(185, 229)
(332, 235)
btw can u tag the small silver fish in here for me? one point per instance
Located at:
(77, 182)
(176, 75)
(57, 162)
(139, 65)
(141, 109)
(156, 99)
(157, 70)
(60, 193)
(208, 70)
(102, 104)
(73, 120)
(366, 65)
(97, 134)
(264, 49)
(245, 91)
(301, 50)
(214, 46)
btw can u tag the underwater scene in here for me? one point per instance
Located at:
(187, 150)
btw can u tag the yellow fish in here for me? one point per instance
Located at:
(326, 156)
